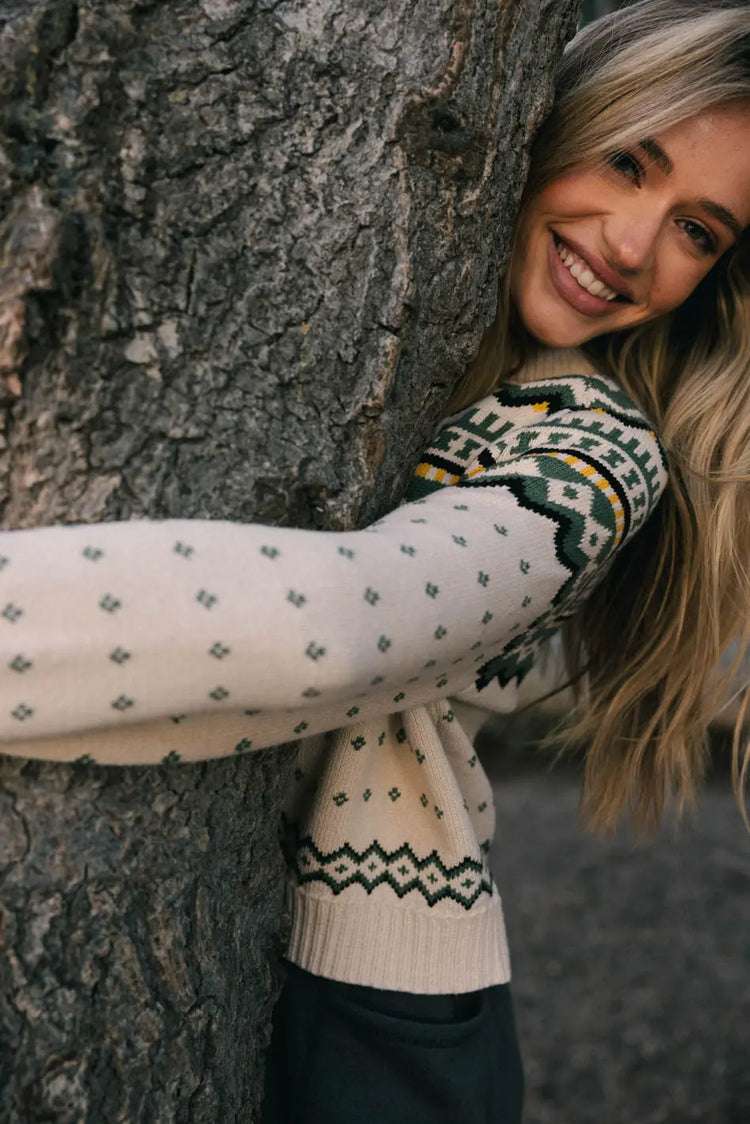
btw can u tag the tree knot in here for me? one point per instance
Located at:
(29, 246)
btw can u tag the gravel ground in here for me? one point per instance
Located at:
(631, 960)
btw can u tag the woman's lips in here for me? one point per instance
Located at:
(597, 266)
(569, 289)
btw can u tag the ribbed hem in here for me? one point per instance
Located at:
(381, 945)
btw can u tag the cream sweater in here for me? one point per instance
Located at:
(143, 642)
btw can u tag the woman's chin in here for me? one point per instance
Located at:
(550, 326)
(558, 336)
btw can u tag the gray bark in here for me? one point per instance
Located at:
(245, 249)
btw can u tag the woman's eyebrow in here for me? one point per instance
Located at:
(722, 214)
(655, 152)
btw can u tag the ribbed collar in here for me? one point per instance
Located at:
(552, 363)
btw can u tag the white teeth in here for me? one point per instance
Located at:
(583, 274)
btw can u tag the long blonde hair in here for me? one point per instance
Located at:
(647, 644)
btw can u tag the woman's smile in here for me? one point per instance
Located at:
(613, 244)
(579, 282)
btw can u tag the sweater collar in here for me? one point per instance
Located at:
(553, 363)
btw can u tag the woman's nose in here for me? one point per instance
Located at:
(631, 238)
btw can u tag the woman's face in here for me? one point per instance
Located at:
(602, 249)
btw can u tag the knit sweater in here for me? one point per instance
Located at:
(180, 640)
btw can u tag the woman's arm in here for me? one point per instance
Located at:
(116, 624)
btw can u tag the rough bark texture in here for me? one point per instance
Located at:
(245, 248)
(141, 916)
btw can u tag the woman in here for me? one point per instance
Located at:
(523, 517)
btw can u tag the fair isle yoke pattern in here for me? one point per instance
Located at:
(548, 443)
(516, 419)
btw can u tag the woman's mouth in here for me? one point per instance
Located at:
(583, 272)
(579, 284)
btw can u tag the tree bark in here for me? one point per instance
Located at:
(246, 247)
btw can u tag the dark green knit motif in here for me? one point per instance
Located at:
(488, 426)
(402, 870)
(575, 451)
(585, 537)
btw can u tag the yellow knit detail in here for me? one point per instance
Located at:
(602, 483)
(431, 472)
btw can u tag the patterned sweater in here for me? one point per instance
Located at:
(143, 642)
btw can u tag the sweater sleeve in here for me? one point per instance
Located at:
(109, 625)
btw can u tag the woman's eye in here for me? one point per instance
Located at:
(699, 235)
(627, 165)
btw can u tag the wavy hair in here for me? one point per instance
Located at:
(644, 650)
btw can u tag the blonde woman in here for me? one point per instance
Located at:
(593, 477)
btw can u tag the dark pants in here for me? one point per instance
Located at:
(344, 1054)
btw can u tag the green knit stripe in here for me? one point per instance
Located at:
(401, 869)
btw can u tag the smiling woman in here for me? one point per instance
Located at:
(640, 184)
(615, 243)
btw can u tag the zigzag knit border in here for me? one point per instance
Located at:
(401, 869)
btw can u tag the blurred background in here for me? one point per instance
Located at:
(630, 958)
(592, 9)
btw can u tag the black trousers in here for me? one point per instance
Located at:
(344, 1054)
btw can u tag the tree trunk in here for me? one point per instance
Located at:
(246, 247)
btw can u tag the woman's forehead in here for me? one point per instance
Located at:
(710, 155)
